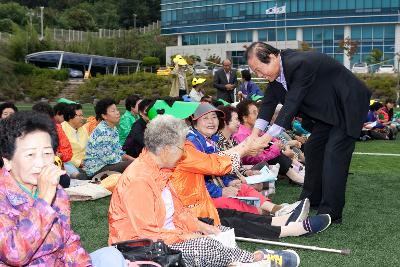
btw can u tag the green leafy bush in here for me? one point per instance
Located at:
(40, 86)
(119, 87)
(382, 86)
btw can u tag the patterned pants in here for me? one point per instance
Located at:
(209, 252)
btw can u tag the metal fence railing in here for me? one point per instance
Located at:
(68, 35)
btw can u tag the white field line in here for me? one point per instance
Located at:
(377, 154)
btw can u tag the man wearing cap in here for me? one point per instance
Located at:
(179, 81)
(225, 81)
(197, 91)
(320, 90)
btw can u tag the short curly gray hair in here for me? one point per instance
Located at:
(163, 131)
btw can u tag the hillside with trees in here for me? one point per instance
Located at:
(80, 15)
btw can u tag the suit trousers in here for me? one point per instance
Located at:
(328, 154)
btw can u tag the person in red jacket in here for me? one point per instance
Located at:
(64, 149)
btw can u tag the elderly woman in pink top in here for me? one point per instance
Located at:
(248, 112)
(35, 225)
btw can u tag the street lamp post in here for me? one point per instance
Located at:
(134, 20)
(41, 23)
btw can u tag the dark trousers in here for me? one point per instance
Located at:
(117, 167)
(284, 162)
(182, 93)
(248, 224)
(328, 154)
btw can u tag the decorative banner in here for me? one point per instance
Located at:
(276, 10)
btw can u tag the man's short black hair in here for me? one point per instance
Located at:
(44, 107)
(130, 101)
(102, 106)
(70, 111)
(59, 108)
(20, 124)
(262, 51)
(243, 108)
(7, 105)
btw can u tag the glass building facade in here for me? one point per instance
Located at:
(322, 24)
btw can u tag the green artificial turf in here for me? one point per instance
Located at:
(370, 227)
(370, 224)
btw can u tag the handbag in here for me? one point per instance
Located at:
(147, 250)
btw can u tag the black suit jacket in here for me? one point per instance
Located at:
(319, 88)
(220, 81)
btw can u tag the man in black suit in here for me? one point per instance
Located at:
(321, 91)
(225, 81)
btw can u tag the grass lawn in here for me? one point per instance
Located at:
(370, 227)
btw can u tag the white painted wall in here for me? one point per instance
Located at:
(218, 49)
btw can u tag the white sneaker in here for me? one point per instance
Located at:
(286, 208)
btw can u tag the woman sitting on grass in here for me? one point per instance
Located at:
(248, 112)
(145, 205)
(224, 188)
(35, 227)
(229, 125)
(104, 152)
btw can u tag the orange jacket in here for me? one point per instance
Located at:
(64, 146)
(91, 124)
(137, 209)
(188, 180)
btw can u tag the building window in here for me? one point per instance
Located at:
(203, 38)
(237, 58)
(373, 37)
(241, 36)
(263, 35)
(325, 40)
(221, 37)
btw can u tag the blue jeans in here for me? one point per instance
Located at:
(108, 256)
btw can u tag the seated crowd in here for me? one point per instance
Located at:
(190, 168)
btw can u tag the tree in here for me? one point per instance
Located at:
(195, 58)
(375, 56)
(14, 12)
(304, 46)
(150, 62)
(349, 47)
(213, 60)
(6, 25)
(146, 11)
(79, 19)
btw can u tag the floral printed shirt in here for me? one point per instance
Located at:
(102, 149)
(33, 233)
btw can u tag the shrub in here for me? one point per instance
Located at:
(40, 86)
(119, 87)
(381, 86)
